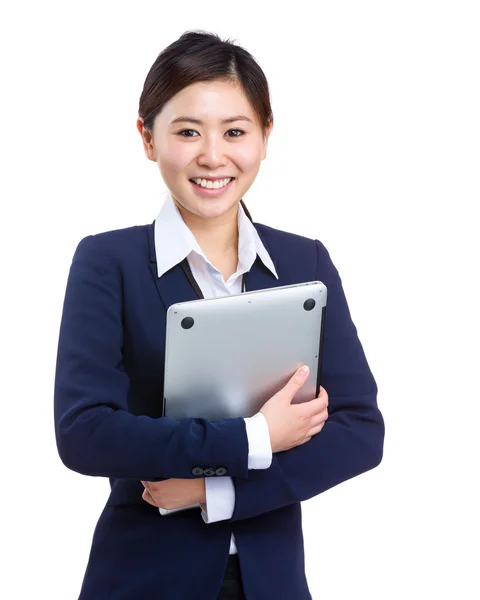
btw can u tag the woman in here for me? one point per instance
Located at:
(205, 119)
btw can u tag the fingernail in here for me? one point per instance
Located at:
(304, 370)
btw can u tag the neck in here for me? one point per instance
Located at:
(216, 237)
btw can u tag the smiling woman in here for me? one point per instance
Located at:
(213, 152)
(235, 485)
(224, 93)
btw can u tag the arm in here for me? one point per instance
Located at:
(351, 441)
(95, 433)
(220, 491)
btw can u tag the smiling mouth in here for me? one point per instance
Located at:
(210, 184)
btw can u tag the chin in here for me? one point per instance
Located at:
(212, 209)
(207, 207)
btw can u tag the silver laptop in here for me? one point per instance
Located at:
(226, 356)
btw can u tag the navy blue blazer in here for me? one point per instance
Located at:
(108, 398)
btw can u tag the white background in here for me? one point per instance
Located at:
(375, 151)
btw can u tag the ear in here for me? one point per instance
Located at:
(147, 140)
(265, 139)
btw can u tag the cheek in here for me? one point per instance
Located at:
(174, 153)
(248, 159)
(174, 157)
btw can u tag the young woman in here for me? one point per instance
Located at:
(205, 119)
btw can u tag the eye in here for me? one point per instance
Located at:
(182, 133)
(240, 134)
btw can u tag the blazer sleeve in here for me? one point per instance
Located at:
(351, 441)
(95, 432)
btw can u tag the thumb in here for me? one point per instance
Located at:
(296, 381)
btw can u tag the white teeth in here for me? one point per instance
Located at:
(207, 183)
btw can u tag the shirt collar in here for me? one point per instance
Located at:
(174, 241)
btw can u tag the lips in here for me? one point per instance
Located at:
(212, 180)
(211, 191)
(217, 178)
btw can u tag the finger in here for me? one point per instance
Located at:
(321, 400)
(150, 486)
(307, 409)
(323, 394)
(322, 391)
(296, 381)
(148, 498)
(318, 418)
(304, 441)
(317, 429)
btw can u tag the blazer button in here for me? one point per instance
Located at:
(197, 471)
(220, 471)
(208, 472)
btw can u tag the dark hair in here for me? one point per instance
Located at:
(200, 56)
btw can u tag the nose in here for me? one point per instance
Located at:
(212, 153)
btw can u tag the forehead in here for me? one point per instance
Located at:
(208, 101)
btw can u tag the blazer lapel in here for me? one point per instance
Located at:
(174, 286)
(260, 277)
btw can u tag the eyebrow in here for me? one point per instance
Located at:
(199, 122)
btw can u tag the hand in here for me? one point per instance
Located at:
(289, 424)
(174, 493)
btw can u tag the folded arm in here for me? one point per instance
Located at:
(220, 491)
(96, 435)
(351, 441)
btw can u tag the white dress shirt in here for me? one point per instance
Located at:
(173, 242)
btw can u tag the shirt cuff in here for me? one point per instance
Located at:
(259, 445)
(220, 496)
(169, 511)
